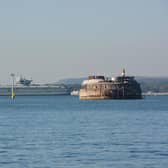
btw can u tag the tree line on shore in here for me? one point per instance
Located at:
(148, 84)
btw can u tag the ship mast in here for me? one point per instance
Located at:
(12, 89)
(123, 87)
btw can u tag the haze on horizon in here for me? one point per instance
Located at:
(50, 40)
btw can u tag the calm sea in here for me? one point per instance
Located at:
(64, 132)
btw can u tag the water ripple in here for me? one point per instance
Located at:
(63, 132)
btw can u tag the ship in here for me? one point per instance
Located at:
(24, 87)
(120, 87)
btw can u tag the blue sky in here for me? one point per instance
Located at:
(54, 39)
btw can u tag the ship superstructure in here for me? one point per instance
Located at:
(23, 81)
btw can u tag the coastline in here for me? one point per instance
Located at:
(155, 94)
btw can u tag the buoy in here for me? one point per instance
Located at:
(12, 90)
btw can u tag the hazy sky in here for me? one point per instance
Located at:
(53, 39)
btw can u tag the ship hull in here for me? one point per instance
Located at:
(34, 91)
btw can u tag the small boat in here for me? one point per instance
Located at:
(75, 93)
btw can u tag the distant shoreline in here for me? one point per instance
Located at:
(155, 94)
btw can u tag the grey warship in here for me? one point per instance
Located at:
(24, 87)
(120, 87)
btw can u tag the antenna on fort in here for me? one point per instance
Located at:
(12, 89)
(123, 72)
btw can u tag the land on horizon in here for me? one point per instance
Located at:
(148, 84)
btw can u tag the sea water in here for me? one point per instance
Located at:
(64, 132)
